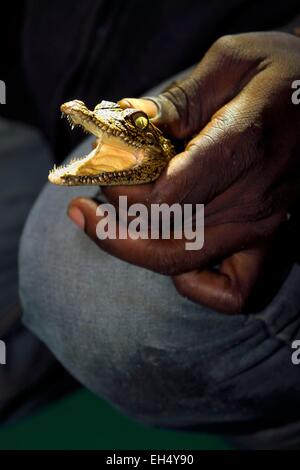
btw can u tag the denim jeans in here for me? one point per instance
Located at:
(31, 376)
(125, 333)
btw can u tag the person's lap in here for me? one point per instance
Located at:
(126, 334)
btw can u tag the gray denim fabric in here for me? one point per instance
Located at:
(24, 163)
(125, 333)
(31, 376)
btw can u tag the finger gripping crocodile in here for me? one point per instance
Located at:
(129, 148)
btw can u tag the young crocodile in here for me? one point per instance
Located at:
(129, 148)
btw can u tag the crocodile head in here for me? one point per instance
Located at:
(129, 148)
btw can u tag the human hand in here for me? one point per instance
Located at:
(242, 162)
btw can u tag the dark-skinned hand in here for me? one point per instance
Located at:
(242, 161)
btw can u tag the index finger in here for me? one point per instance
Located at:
(170, 256)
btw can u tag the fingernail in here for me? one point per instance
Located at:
(77, 217)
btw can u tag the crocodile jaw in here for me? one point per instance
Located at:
(111, 154)
(126, 153)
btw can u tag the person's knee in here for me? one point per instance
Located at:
(126, 334)
(136, 343)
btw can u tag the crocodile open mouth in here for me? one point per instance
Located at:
(113, 151)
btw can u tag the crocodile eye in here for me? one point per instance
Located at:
(141, 121)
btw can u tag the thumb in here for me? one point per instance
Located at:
(188, 105)
(147, 105)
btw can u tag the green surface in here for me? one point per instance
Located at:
(82, 421)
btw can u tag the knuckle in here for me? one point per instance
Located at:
(159, 260)
(171, 260)
(226, 44)
(175, 117)
(180, 109)
(254, 206)
(260, 207)
(168, 266)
